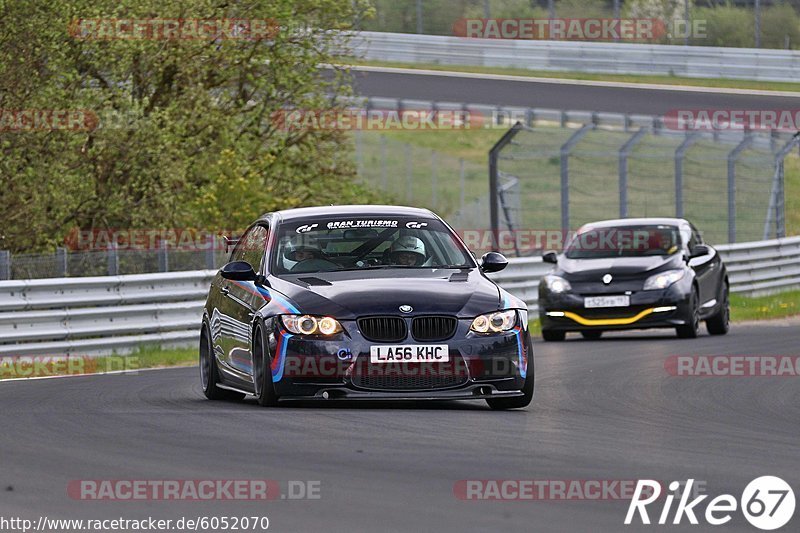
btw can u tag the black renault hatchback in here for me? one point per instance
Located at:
(634, 274)
(362, 303)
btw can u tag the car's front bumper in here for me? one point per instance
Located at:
(666, 308)
(480, 366)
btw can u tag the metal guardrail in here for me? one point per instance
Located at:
(119, 313)
(614, 58)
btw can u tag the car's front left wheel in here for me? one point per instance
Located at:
(209, 375)
(691, 329)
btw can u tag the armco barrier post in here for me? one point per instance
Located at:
(5, 264)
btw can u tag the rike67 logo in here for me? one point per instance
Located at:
(767, 503)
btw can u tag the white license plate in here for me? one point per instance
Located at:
(591, 302)
(409, 353)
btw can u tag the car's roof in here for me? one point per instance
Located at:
(301, 213)
(637, 222)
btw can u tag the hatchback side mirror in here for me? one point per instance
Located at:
(699, 250)
(493, 262)
(550, 257)
(238, 271)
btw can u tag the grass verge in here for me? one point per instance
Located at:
(587, 76)
(780, 305)
(48, 365)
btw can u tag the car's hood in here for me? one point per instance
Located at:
(348, 295)
(591, 268)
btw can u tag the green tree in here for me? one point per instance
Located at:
(186, 135)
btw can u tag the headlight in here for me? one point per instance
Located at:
(311, 325)
(557, 283)
(494, 322)
(662, 280)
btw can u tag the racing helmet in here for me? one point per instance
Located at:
(301, 243)
(407, 245)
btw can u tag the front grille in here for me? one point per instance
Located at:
(410, 376)
(383, 328)
(433, 328)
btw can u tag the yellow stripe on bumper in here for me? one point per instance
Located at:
(607, 321)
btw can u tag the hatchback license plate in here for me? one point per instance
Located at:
(593, 302)
(409, 353)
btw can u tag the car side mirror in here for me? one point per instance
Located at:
(493, 262)
(238, 271)
(550, 257)
(699, 250)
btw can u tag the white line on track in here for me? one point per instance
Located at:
(564, 81)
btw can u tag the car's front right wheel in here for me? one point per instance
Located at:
(262, 375)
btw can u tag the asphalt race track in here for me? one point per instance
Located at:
(603, 410)
(557, 95)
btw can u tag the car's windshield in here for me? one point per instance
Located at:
(340, 244)
(624, 241)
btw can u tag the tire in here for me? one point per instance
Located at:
(592, 334)
(692, 329)
(262, 376)
(209, 375)
(719, 324)
(551, 335)
(518, 402)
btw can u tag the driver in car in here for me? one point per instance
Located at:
(407, 251)
(301, 249)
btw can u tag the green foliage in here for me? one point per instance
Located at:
(726, 26)
(780, 25)
(186, 136)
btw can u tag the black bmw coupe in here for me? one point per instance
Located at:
(362, 302)
(634, 274)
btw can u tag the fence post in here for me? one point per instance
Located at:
(61, 261)
(113, 259)
(359, 154)
(777, 194)
(434, 178)
(211, 252)
(461, 180)
(624, 152)
(163, 257)
(565, 150)
(732, 156)
(494, 181)
(680, 154)
(409, 174)
(5, 264)
(383, 163)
